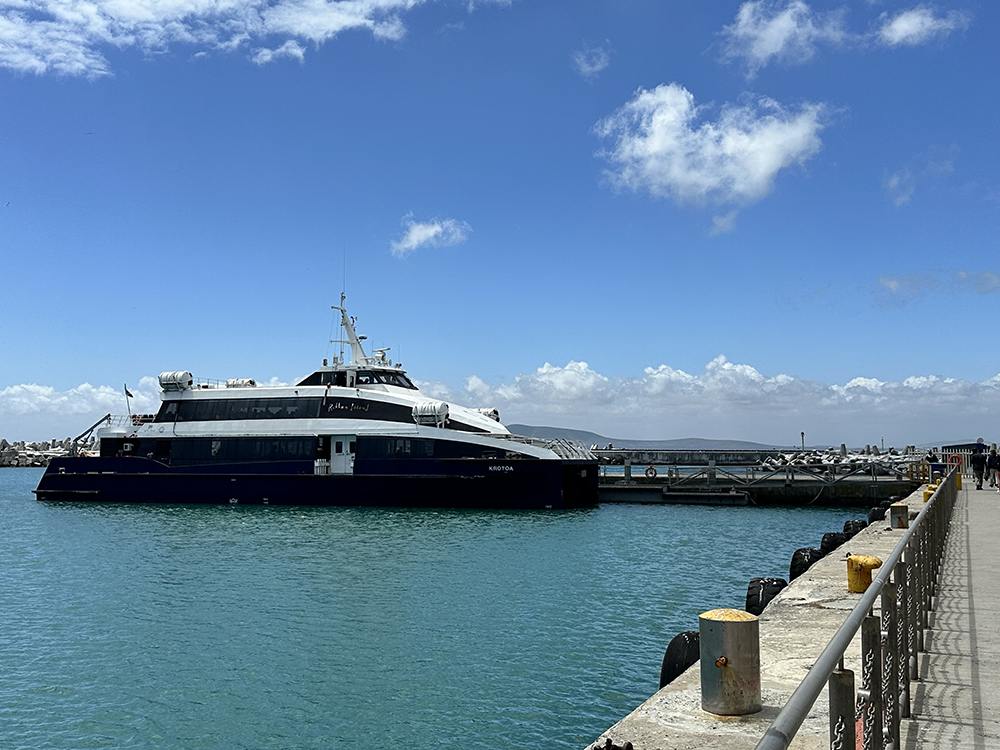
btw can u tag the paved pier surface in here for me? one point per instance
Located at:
(957, 702)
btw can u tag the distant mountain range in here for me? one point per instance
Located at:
(592, 438)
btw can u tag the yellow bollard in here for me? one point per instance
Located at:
(929, 491)
(955, 460)
(859, 572)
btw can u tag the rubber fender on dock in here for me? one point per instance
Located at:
(853, 527)
(802, 560)
(832, 540)
(883, 508)
(877, 514)
(683, 651)
(609, 745)
(760, 592)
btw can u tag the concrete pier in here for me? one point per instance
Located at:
(957, 702)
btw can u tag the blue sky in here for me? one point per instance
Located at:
(646, 219)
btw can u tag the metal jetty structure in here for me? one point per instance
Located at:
(756, 477)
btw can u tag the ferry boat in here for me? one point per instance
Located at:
(349, 434)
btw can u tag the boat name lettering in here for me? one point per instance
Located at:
(351, 406)
(504, 468)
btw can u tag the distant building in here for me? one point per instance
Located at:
(965, 447)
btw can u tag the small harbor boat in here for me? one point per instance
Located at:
(355, 432)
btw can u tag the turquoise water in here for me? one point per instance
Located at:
(266, 627)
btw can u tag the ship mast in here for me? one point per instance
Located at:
(358, 356)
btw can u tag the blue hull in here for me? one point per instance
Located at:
(444, 484)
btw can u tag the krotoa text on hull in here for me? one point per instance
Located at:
(350, 433)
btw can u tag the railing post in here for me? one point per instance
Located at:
(871, 680)
(903, 639)
(922, 596)
(913, 606)
(890, 670)
(842, 711)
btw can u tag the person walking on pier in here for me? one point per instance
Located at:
(992, 464)
(978, 461)
(934, 465)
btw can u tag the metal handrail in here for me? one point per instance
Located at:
(923, 546)
(819, 475)
(563, 447)
(86, 433)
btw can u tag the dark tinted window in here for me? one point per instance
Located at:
(218, 450)
(395, 448)
(397, 379)
(167, 412)
(325, 378)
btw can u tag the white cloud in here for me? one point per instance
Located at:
(590, 61)
(896, 291)
(900, 186)
(766, 31)
(661, 146)
(984, 282)
(726, 400)
(723, 224)
(68, 36)
(791, 32)
(737, 401)
(40, 412)
(560, 387)
(473, 4)
(930, 167)
(290, 48)
(433, 233)
(918, 26)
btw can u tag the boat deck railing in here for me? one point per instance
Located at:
(568, 449)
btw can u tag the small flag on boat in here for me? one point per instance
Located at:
(127, 394)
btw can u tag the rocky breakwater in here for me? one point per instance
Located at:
(844, 461)
(21, 453)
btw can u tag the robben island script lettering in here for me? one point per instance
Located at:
(352, 406)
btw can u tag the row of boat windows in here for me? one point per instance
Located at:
(186, 451)
(206, 410)
(363, 377)
(210, 450)
(388, 447)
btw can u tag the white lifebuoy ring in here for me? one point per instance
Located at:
(650, 472)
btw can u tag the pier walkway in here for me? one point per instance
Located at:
(956, 704)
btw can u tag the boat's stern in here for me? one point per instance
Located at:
(579, 483)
